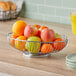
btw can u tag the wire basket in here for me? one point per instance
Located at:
(35, 46)
(8, 15)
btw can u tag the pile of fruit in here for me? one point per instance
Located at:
(35, 38)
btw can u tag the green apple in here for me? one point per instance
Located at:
(57, 35)
(34, 45)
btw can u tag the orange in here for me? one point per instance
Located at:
(58, 45)
(12, 41)
(42, 27)
(37, 26)
(19, 44)
(18, 28)
(46, 48)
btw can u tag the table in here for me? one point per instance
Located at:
(12, 61)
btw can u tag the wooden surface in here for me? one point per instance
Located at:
(13, 62)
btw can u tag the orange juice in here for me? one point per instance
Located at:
(73, 21)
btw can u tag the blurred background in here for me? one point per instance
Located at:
(45, 10)
(49, 10)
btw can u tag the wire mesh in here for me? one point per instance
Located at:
(35, 47)
(8, 15)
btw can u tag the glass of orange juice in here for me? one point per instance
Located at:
(73, 21)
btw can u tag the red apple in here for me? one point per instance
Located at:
(38, 34)
(30, 31)
(47, 35)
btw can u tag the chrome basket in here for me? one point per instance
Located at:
(33, 53)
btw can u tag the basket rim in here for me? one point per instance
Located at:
(64, 40)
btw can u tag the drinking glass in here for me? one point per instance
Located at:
(73, 21)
